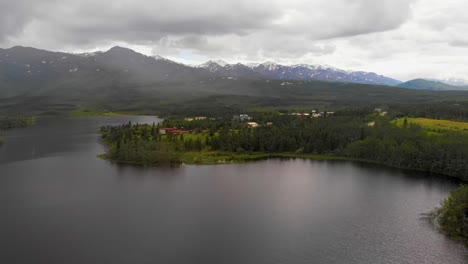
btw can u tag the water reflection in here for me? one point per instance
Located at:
(61, 204)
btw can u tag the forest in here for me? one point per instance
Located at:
(453, 214)
(350, 134)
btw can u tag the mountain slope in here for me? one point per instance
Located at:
(421, 84)
(33, 71)
(272, 70)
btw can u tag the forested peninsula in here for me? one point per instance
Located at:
(345, 135)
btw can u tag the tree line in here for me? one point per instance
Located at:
(343, 134)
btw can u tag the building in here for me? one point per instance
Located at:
(188, 119)
(166, 130)
(244, 117)
(200, 118)
(301, 114)
(241, 117)
(177, 132)
(252, 124)
(173, 131)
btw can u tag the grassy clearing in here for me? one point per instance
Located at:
(434, 124)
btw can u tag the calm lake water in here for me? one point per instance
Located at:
(61, 204)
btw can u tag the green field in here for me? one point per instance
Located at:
(86, 112)
(434, 124)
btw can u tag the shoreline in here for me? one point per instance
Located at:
(221, 158)
(90, 113)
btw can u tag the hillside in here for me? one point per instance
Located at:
(422, 84)
(34, 72)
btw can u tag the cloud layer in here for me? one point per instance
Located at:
(400, 38)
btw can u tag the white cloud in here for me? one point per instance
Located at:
(400, 38)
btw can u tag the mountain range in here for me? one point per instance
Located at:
(272, 70)
(34, 80)
(21, 67)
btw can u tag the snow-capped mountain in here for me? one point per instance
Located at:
(213, 66)
(452, 81)
(273, 70)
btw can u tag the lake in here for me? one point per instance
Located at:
(61, 204)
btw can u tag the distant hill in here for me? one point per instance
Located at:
(421, 84)
(271, 70)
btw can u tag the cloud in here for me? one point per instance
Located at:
(353, 34)
(14, 16)
(148, 21)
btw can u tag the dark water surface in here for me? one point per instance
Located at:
(60, 204)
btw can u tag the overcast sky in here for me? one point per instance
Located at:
(404, 39)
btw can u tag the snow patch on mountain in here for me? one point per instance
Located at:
(274, 70)
(87, 54)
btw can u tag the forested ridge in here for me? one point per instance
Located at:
(343, 134)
